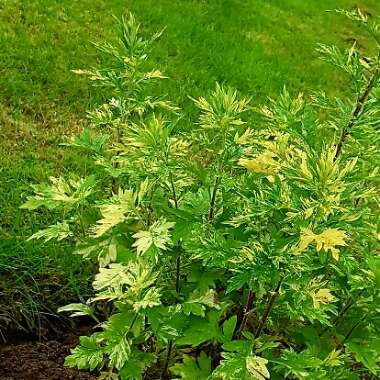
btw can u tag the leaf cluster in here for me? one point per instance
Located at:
(233, 250)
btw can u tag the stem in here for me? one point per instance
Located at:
(357, 111)
(213, 199)
(178, 270)
(268, 309)
(247, 310)
(165, 369)
(339, 317)
(343, 312)
(352, 330)
(81, 221)
(178, 260)
(132, 323)
(114, 186)
(174, 192)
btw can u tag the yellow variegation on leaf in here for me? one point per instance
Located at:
(323, 296)
(328, 240)
(257, 367)
(263, 163)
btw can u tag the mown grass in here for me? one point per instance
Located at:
(256, 46)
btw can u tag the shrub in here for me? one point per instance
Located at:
(232, 250)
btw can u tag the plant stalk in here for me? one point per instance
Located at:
(178, 273)
(174, 192)
(213, 198)
(352, 329)
(268, 309)
(357, 111)
(132, 323)
(247, 309)
(178, 260)
(166, 365)
(338, 319)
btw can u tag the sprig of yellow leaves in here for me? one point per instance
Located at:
(328, 240)
(322, 296)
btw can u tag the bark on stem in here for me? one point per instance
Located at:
(178, 270)
(247, 309)
(349, 333)
(338, 319)
(213, 199)
(268, 310)
(357, 111)
(178, 260)
(174, 192)
(166, 365)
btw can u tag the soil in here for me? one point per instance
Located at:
(34, 360)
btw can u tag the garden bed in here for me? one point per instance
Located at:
(40, 360)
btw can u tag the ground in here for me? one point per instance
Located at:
(256, 46)
(22, 359)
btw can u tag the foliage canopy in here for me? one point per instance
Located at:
(233, 250)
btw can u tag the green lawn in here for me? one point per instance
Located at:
(257, 46)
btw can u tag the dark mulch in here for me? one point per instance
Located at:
(33, 360)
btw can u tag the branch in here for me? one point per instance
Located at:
(338, 319)
(178, 269)
(166, 365)
(178, 260)
(213, 198)
(351, 330)
(247, 310)
(268, 309)
(357, 111)
(175, 198)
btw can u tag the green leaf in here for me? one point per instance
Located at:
(202, 277)
(237, 365)
(197, 302)
(117, 341)
(119, 352)
(202, 330)
(157, 235)
(365, 354)
(166, 322)
(77, 309)
(57, 231)
(300, 365)
(193, 368)
(229, 327)
(135, 366)
(87, 142)
(87, 355)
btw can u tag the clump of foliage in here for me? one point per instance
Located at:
(229, 251)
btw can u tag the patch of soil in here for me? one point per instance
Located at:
(33, 360)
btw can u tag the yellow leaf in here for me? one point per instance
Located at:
(335, 254)
(307, 237)
(111, 216)
(244, 139)
(323, 296)
(257, 367)
(328, 240)
(263, 163)
(304, 168)
(309, 212)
